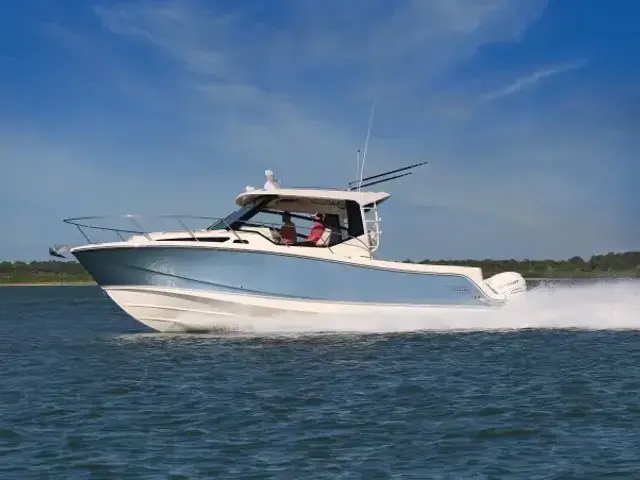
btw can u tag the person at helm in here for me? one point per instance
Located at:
(288, 230)
(318, 228)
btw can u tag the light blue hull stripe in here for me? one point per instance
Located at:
(275, 275)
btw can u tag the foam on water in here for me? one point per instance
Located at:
(598, 306)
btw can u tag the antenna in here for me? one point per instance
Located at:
(360, 166)
(366, 142)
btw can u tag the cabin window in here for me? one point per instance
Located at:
(354, 219)
(344, 218)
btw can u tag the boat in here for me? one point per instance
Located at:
(238, 272)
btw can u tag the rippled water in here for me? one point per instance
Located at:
(88, 393)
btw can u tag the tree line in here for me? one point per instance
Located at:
(626, 264)
(43, 271)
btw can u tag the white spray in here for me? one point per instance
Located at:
(601, 306)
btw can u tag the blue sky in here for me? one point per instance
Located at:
(528, 112)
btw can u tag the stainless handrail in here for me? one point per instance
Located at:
(83, 222)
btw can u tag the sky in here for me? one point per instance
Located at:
(527, 111)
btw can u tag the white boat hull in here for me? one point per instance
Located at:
(178, 310)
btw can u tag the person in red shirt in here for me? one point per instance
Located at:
(318, 228)
(288, 229)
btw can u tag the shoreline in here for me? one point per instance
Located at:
(48, 284)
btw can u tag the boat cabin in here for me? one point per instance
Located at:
(350, 219)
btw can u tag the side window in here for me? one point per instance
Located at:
(354, 219)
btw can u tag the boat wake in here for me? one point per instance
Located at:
(599, 306)
(603, 306)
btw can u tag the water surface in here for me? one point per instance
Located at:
(89, 393)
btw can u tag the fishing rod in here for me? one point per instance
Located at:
(390, 172)
(381, 181)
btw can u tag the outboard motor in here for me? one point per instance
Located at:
(507, 283)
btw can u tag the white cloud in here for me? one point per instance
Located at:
(389, 40)
(290, 91)
(531, 80)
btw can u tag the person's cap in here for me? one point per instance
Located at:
(268, 173)
(318, 215)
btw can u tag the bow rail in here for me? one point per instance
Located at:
(92, 223)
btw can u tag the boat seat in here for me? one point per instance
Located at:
(324, 240)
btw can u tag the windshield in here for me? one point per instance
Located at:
(240, 215)
(229, 219)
